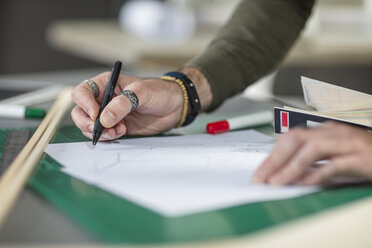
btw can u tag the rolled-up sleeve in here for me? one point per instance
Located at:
(251, 44)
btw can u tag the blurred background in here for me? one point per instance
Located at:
(44, 42)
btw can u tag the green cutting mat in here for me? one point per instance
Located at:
(113, 219)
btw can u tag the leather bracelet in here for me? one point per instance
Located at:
(194, 100)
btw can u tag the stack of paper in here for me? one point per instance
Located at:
(338, 102)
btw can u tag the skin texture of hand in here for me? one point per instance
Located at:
(159, 109)
(347, 151)
(160, 105)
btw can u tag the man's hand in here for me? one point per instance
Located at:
(347, 150)
(159, 109)
(160, 105)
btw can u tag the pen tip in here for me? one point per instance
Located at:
(94, 140)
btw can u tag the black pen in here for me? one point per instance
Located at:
(98, 128)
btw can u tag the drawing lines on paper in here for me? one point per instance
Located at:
(98, 168)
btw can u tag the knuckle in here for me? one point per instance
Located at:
(105, 75)
(79, 93)
(138, 87)
(143, 90)
(102, 78)
(74, 93)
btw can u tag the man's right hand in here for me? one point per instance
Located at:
(160, 105)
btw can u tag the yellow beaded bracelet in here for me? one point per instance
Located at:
(185, 97)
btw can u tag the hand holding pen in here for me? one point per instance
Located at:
(159, 107)
(98, 128)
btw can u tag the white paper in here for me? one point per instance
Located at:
(327, 97)
(177, 175)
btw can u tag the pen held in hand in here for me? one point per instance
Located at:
(98, 128)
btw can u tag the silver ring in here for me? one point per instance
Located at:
(132, 98)
(93, 86)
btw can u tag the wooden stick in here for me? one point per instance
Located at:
(16, 175)
(22, 156)
(15, 166)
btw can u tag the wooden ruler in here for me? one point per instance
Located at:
(15, 177)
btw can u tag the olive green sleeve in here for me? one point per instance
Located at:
(251, 44)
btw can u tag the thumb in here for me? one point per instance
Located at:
(115, 111)
(120, 106)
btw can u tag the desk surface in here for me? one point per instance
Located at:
(33, 219)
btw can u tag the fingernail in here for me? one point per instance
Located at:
(90, 127)
(108, 117)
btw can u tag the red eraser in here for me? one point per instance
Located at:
(218, 127)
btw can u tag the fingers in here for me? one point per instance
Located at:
(106, 135)
(83, 96)
(120, 106)
(86, 111)
(86, 125)
(115, 111)
(315, 149)
(110, 133)
(82, 120)
(160, 106)
(350, 165)
(296, 152)
(286, 146)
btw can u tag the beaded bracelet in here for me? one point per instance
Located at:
(194, 101)
(185, 98)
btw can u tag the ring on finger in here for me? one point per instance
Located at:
(93, 86)
(132, 98)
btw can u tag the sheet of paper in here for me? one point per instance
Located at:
(326, 97)
(177, 175)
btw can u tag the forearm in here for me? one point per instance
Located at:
(250, 45)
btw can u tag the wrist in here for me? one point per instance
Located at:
(201, 84)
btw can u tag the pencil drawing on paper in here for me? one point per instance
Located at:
(177, 175)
